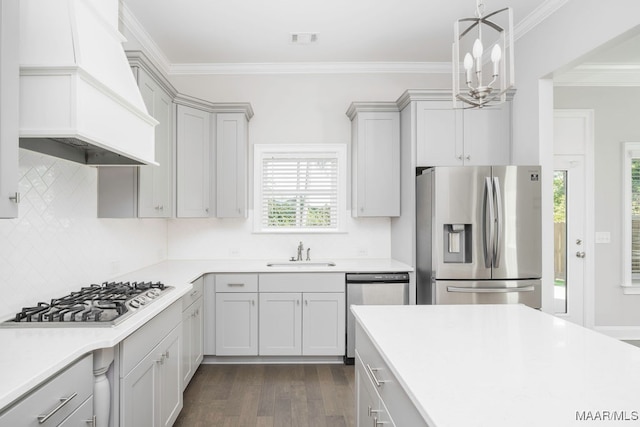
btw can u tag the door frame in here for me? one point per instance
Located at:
(587, 117)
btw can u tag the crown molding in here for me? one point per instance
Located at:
(215, 107)
(539, 14)
(600, 74)
(371, 107)
(312, 68)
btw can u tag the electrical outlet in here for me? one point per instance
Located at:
(362, 252)
(234, 252)
(603, 237)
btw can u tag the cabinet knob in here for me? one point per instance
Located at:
(15, 198)
(459, 157)
(468, 157)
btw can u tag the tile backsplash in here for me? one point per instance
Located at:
(57, 244)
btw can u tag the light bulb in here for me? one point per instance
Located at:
(496, 54)
(468, 62)
(477, 49)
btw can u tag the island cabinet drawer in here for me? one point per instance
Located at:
(54, 401)
(302, 282)
(236, 283)
(401, 409)
(194, 294)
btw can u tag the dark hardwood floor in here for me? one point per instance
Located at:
(270, 395)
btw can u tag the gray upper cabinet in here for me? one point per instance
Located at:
(193, 162)
(454, 137)
(375, 155)
(231, 162)
(144, 191)
(211, 163)
(9, 89)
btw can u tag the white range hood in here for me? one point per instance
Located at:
(78, 97)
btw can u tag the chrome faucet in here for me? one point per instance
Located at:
(308, 257)
(300, 249)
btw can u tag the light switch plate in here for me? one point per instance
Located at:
(603, 237)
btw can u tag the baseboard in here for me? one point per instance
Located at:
(620, 332)
(238, 360)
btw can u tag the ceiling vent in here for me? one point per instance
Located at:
(304, 38)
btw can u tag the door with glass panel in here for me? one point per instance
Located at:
(568, 237)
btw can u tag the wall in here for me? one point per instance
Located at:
(299, 109)
(616, 113)
(57, 245)
(558, 43)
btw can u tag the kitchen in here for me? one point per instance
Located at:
(45, 251)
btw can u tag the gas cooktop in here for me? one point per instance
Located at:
(97, 305)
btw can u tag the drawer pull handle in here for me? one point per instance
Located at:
(91, 422)
(235, 284)
(373, 376)
(63, 401)
(193, 293)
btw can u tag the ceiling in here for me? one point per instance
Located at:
(219, 34)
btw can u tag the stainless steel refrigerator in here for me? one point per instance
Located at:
(478, 235)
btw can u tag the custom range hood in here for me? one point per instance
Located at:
(78, 97)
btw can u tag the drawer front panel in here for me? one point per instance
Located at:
(55, 400)
(236, 283)
(194, 294)
(302, 282)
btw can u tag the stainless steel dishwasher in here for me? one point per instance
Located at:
(372, 289)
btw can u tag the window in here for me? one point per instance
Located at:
(300, 188)
(631, 214)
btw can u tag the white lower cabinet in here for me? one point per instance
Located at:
(280, 324)
(237, 324)
(370, 409)
(192, 331)
(323, 324)
(150, 369)
(64, 400)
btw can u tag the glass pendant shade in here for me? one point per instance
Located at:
(483, 63)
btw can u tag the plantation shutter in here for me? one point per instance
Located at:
(299, 192)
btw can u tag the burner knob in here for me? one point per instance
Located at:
(153, 293)
(142, 300)
(134, 303)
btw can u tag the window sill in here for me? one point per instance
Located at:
(631, 289)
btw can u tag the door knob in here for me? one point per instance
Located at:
(580, 254)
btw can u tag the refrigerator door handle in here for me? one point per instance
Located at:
(487, 235)
(497, 243)
(489, 290)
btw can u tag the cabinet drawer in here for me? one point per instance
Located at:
(74, 385)
(236, 283)
(302, 282)
(136, 346)
(396, 400)
(194, 294)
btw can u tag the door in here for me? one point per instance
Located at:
(458, 244)
(323, 324)
(170, 384)
(568, 237)
(280, 324)
(517, 238)
(237, 324)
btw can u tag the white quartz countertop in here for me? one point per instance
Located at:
(28, 356)
(505, 366)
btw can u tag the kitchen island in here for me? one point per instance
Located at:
(490, 365)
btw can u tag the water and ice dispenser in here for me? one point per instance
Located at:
(457, 243)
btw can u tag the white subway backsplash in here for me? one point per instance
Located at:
(57, 244)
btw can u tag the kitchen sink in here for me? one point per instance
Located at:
(301, 264)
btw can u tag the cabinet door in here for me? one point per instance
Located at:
(376, 158)
(9, 88)
(323, 324)
(280, 324)
(193, 150)
(439, 134)
(138, 403)
(487, 135)
(231, 170)
(169, 390)
(154, 198)
(237, 324)
(197, 346)
(187, 326)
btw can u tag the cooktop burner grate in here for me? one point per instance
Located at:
(95, 305)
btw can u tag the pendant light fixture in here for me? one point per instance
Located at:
(485, 77)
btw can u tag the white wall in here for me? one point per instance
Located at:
(57, 244)
(298, 109)
(616, 113)
(561, 41)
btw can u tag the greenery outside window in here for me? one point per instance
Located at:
(299, 188)
(631, 214)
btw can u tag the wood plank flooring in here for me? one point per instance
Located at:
(270, 396)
